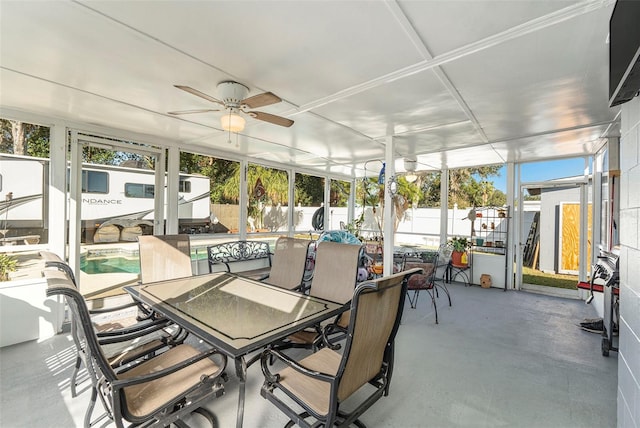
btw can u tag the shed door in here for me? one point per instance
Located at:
(569, 243)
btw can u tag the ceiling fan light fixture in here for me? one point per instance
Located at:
(410, 167)
(410, 164)
(232, 122)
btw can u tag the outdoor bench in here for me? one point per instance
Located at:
(250, 259)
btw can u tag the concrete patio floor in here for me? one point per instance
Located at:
(497, 359)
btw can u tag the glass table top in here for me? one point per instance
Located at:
(234, 313)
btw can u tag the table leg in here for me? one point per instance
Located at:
(241, 374)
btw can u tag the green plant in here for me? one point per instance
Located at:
(355, 225)
(7, 264)
(459, 243)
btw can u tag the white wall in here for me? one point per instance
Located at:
(26, 313)
(629, 354)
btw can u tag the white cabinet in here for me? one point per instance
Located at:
(491, 264)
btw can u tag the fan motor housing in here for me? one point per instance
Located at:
(232, 93)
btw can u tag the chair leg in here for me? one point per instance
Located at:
(74, 376)
(413, 302)
(92, 403)
(444, 288)
(435, 306)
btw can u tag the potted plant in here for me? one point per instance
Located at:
(7, 264)
(459, 245)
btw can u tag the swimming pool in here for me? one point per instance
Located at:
(121, 261)
(116, 264)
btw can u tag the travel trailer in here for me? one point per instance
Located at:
(117, 201)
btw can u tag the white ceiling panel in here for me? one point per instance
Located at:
(554, 79)
(459, 158)
(453, 136)
(580, 142)
(82, 107)
(303, 50)
(401, 106)
(448, 25)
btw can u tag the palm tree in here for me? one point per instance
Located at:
(266, 187)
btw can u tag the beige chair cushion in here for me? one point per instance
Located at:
(145, 398)
(314, 392)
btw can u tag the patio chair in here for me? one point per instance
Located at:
(114, 322)
(164, 257)
(425, 280)
(124, 339)
(53, 260)
(334, 279)
(288, 263)
(158, 391)
(321, 382)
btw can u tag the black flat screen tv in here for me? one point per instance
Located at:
(624, 52)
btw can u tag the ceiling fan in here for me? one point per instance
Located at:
(233, 98)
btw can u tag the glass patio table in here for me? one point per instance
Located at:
(234, 314)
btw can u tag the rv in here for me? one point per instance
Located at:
(116, 200)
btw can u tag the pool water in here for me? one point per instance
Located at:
(110, 265)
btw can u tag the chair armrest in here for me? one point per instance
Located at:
(141, 327)
(123, 383)
(124, 334)
(147, 312)
(113, 308)
(331, 329)
(267, 354)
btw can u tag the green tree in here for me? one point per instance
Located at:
(309, 190)
(22, 138)
(99, 156)
(339, 194)
(219, 172)
(274, 182)
(467, 187)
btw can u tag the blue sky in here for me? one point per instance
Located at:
(541, 171)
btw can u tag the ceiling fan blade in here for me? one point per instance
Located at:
(197, 93)
(176, 113)
(261, 100)
(271, 118)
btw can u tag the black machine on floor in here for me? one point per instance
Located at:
(607, 270)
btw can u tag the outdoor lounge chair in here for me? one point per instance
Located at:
(319, 383)
(158, 391)
(164, 257)
(288, 263)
